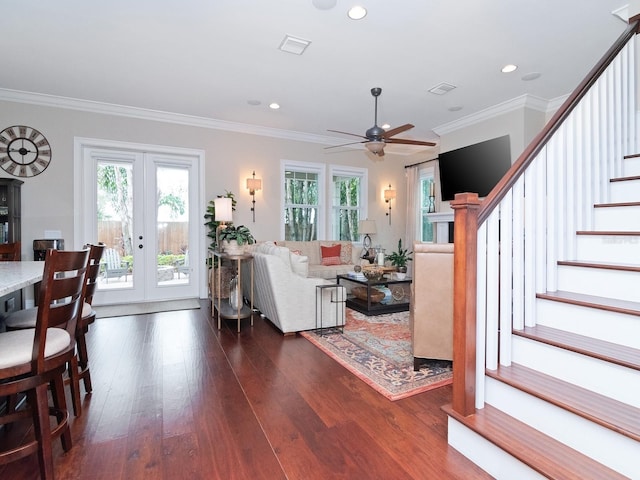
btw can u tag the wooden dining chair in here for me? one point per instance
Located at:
(26, 318)
(34, 359)
(10, 252)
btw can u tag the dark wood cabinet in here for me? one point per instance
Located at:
(10, 232)
(10, 210)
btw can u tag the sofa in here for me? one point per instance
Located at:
(285, 295)
(431, 313)
(348, 257)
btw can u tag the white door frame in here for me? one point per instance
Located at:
(84, 233)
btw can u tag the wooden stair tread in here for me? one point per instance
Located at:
(592, 301)
(624, 179)
(629, 267)
(542, 453)
(592, 347)
(620, 204)
(612, 233)
(607, 412)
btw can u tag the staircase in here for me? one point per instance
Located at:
(556, 388)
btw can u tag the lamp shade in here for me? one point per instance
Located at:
(254, 184)
(366, 227)
(224, 209)
(389, 194)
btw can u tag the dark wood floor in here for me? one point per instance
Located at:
(176, 399)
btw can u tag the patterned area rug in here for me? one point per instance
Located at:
(377, 350)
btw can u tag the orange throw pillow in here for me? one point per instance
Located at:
(330, 255)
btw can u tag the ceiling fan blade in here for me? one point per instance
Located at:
(410, 142)
(345, 144)
(397, 130)
(347, 133)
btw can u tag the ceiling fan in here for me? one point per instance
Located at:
(376, 137)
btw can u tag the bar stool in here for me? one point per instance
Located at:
(27, 319)
(35, 358)
(10, 252)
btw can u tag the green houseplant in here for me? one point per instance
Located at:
(400, 257)
(240, 235)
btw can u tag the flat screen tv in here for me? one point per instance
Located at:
(475, 168)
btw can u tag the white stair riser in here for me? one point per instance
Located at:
(631, 166)
(609, 248)
(601, 377)
(617, 219)
(602, 444)
(626, 191)
(618, 284)
(591, 322)
(493, 460)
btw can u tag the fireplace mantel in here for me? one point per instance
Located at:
(441, 221)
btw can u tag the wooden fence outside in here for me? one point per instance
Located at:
(172, 236)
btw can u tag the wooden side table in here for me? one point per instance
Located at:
(224, 309)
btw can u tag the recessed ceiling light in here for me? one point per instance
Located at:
(509, 68)
(455, 108)
(274, 106)
(357, 12)
(253, 102)
(386, 126)
(531, 76)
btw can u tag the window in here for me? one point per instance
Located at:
(302, 200)
(427, 199)
(348, 204)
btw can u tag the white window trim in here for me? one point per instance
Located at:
(320, 170)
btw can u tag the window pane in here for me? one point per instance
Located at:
(300, 223)
(426, 206)
(301, 205)
(346, 207)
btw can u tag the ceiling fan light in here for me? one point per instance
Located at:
(375, 146)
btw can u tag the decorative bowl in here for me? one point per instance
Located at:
(373, 274)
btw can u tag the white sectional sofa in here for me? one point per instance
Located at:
(285, 295)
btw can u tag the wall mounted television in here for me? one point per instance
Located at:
(476, 168)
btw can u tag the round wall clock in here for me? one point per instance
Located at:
(24, 151)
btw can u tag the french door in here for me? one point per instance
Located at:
(142, 204)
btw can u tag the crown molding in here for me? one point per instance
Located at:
(523, 101)
(46, 100)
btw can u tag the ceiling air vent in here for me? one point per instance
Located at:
(442, 88)
(294, 45)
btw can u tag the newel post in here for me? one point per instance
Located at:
(466, 207)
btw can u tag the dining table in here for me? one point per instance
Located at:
(17, 275)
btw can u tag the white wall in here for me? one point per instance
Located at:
(230, 158)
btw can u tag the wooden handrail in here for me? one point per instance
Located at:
(540, 140)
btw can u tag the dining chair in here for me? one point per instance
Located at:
(10, 252)
(26, 318)
(31, 360)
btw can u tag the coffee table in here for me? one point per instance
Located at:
(399, 299)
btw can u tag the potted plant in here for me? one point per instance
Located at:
(400, 258)
(240, 236)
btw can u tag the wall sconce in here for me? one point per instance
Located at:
(389, 194)
(223, 214)
(253, 185)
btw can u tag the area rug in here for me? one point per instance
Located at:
(105, 311)
(377, 350)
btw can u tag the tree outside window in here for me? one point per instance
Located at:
(301, 204)
(347, 203)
